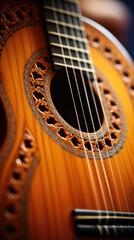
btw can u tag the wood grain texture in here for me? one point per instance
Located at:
(61, 180)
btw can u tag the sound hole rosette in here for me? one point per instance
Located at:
(103, 143)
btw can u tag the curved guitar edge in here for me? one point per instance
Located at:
(110, 36)
(112, 50)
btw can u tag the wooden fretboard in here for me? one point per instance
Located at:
(67, 40)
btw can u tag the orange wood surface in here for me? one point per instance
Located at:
(61, 180)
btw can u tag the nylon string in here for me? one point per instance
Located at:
(92, 121)
(114, 153)
(96, 109)
(105, 176)
(82, 78)
(107, 183)
(69, 82)
(84, 118)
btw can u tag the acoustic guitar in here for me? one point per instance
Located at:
(66, 126)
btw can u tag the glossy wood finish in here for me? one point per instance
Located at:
(61, 181)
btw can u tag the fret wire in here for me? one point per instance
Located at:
(62, 11)
(69, 47)
(75, 67)
(57, 50)
(71, 57)
(65, 24)
(68, 36)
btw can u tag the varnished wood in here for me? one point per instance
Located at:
(61, 180)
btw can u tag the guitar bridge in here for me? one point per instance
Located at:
(103, 223)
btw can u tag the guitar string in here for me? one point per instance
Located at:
(117, 194)
(100, 181)
(113, 177)
(104, 171)
(82, 78)
(108, 157)
(85, 151)
(100, 97)
(72, 33)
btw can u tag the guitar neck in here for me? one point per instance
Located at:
(66, 36)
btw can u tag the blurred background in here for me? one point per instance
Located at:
(115, 15)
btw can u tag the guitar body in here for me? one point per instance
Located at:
(44, 174)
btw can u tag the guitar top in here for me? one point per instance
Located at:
(66, 126)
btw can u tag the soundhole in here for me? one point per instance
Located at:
(76, 101)
(3, 123)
